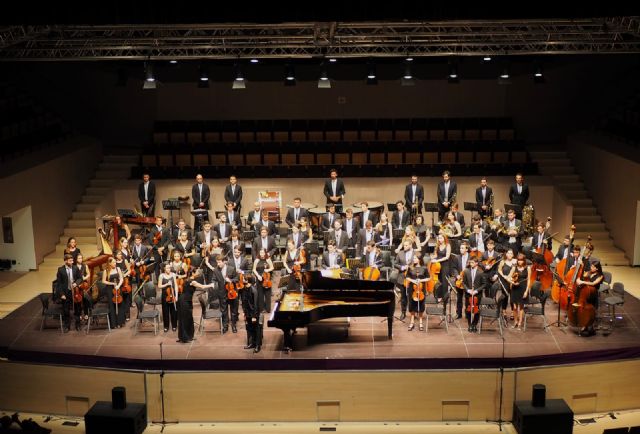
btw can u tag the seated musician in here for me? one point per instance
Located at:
(265, 222)
(372, 255)
(181, 226)
(421, 230)
(159, 241)
(340, 237)
(332, 258)
(185, 247)
(296, 213)
(140, 255)
(233, 216)
(296, 236)
(483, 224)
(350, 226)
(305, 229)
(234, 242)
(223, 229)
(415, 282)
(458, 215)
(264, 241)
(478, 239)
(326, 223)
(541, 237)
(592, 278)
(365, 235)
(367, 215)
(383, 228)
(565, 249)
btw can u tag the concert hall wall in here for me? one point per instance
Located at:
(52, 189)
(612, 181)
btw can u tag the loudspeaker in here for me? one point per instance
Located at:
(102, 418)
(538, 395)
(119, 397)
(554, 418)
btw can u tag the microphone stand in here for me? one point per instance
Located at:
(163, 422)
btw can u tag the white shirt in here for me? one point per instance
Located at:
(349, 227)
(233, 189)
(296, 213)
(332, 259)
(464, 259)
(334, 183)
(70, 275)
(446, 191)
(372, 258)
(484, 193)
(413, 188)
(473, 277)
(223, 230)
(295, 238)
(265, 242)
(146, 191)
(480, 243)
(200, 189)
(519, 189)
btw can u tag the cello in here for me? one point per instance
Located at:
(434, 272)
(561, 269)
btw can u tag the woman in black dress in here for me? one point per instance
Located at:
(112, 280)
(441, 254)
(502, 287)
(72, 249)
(590, 282)
(186, 328)
(261, 266)
(519, 289)
(169, 292)
(417, 277)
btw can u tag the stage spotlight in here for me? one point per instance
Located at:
(372, 76)
(333, 59)
(505, 73)
(149, 77)
(173, 61)
(239, 82)
(407, 77)
(538, 76)
(486, 59)
(408, 59)
(323, 81)
(203, 76)
(289, 75)
(453, 76)
(254, 60)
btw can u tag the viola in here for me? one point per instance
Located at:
(126, 286)
(472, 305)
(170, 296)
(232, 293)
(117, 295)
(266, 280)
(180, 284)
(188, 262)
(460, 281)
(157, 237)
(240, 283)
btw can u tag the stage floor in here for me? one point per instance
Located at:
(365, 346)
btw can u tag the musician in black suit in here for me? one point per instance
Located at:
(514, 231)
(365, 236)
(233, 194)
(140, 254)
(458, 215)
(478, 239)
(147, 195)
(414, 194)
(350, 225)
(200, 194)
(253, 218)
(400, 218)
(447, 191)
(404, 259)
(178, 228)
(565, 249)
(540, 237)
(483, 198)
(233, 216)
(221, 274)
(519, 193)
(296, 213)
(367, 215)
(372, 255)
(159, 240)
(334, 188)
(331, 259)
(460, 263)
(298, 237)
(264, 241)
(68, 278)
(339, 236)
(474, 283)
(328, 218)
(223, 229)
(265, 222)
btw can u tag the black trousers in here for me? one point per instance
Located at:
(169, 313)
(233, 309)
(67, 304)
(116, 318)
(403, 298)
(264, 298)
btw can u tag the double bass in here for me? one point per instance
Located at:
(434, 272)
(540, 271)
(571, 291)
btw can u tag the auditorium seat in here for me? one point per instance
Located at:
(149, 160)
(419, 130)
(201, 160)
(488, 129)
(483, 157)
(315, 130)
(166, 160)
(437, 129)
(350, 130)
(235, 159)
(263, 130)
(195, 132)
(465, 157)
(471, 129)
(402, 130)
(289, 159)
(252, 160)
(430, 158)
(342, 159)
(377, 158)
(501, 157)
(324, 159)
(412, 158)
(448, 157)
(221, 159)
(394, 158)
(183, 160)
(359, 158)
(519, 156)
(229, 132)
(333, 130)
(454, 129)
(384, 130)
(271, 159)
(306, 159)
(367, 129)
(177, 134)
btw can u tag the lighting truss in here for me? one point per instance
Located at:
(611, 35)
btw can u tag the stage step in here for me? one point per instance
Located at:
(85, 207)
(106, 183)
(87, 199)
(83, 215)
(113, 174)
(87, 249)
(79, 232)
(80, 239)
(97, 191)
(81, 223)
(558, 166)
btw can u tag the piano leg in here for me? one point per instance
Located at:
(390, 326)
(288, 340)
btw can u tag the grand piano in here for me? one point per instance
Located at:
(324, 297)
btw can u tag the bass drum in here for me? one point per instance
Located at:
(528, 219)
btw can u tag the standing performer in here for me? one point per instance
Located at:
(169, 289)
(334, 190)
(262, 268)
(520, 286)
(201, 194)
(186, 328)
(474, 283)
(484, 198)
(233, 194)
(414, 196)
(253, 317)
(296, 213)
(82, 308)
(447, 191)
(147, 195)
(403, 260)
(519, 193)
(112, 277)
(67, 279)
(415, 284)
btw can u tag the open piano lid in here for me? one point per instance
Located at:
(315, 280)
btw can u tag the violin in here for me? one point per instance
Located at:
(240, 283)
(514, 279)
(266, 280)
(188, 262)
(418, 291)
(232, 292)
(180, 284)
(126, 286)
(472, 305)
(157, 237)
(117, 295)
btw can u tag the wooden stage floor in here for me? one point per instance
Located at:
(365, 346)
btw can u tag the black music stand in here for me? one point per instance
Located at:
(391, 207)
(126, 212)
(199, 215)
(171, 204)
(431, 207)
(471, 206)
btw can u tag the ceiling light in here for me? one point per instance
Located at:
(254, 60)
(333, 60)
(323, 80)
